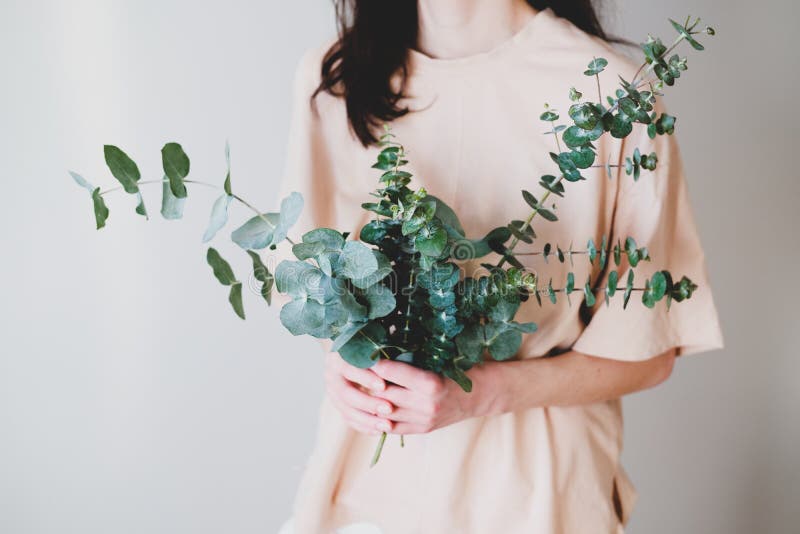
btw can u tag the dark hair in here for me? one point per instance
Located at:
(373, 43)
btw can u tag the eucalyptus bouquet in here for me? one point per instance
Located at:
(398, 292)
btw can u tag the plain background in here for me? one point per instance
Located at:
(133, 401)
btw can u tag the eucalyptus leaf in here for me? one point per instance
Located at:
(467, 249)
(596, 66)
(219, 216)
(524, 328)
(304, 251)
(176, 167)
(588, 294)
(383, 270)
(549, 116)
(100, 208)
(346, 334)
(611, 284)
(235, 298)
(291, 207)
(363, 349)
(357, 261)
(431, 240)
(123, 168)
(301, 280)
(171, 206)
(222, 269)
(446, 215)
(257, 233)
(331, 239)
(262, 274)
(302, 316)
(457, 375)
(81, 181)
(504, 311)
(381, 301)
(503, 340)
(471, 342)
(628, 290)
(227, 184)
(141, 209)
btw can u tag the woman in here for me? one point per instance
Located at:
(535, 447)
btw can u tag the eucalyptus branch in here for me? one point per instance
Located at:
(239, 199)
(592, 120)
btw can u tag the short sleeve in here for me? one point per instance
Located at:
(656, 212)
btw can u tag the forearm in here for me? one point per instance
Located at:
(569, 379)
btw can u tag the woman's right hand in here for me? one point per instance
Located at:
(348, 388)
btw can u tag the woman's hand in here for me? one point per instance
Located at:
(424, 401)
(396, 397)
(348, 388)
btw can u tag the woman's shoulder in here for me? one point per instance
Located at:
(567, 50)
(308, 70)
(326, 109)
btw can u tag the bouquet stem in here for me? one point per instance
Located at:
(378, 449)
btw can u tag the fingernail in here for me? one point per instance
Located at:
(385, 409)
(383, 425)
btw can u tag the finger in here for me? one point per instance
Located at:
(363, 377)
(407, 375)
(399, 396)
(405, 415)
(355, 398)
(361, 421)
(370, 422)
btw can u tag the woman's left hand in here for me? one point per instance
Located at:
(425, 401)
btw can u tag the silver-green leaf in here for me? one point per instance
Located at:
(176, 167)
(291, 207)
(219, 216)
(171, 206)
(81, 181)
(257, 232)
(141, 209)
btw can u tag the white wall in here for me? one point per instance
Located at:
(132, 400)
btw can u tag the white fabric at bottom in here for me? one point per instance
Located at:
(354, 528)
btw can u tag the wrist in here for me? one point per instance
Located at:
(492, 388)
(511, 385)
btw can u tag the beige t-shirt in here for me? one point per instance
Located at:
(476, 141)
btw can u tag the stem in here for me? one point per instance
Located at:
(408, 307)
(580, 290)
(573, 252)
(212, 186)
(378, 345)
(527, 221)
(651, 66)
(378, 450)
(599, 93)
(555, 134)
